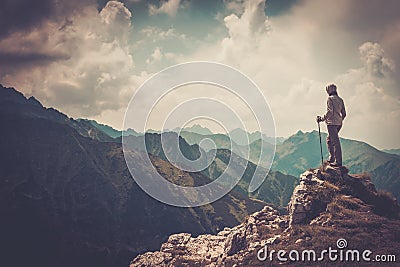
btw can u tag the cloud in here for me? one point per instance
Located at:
(169, 7)
(292, 57)
(373, 112)
(24, 15)
(33, 14)
(29, 58)
(373, 58)
(117, 16)
(236, 6)
(155, 56)
(81, 61)
(157, 34)
(244, 31)
(157, 48)
(368, 91)
(94, 70)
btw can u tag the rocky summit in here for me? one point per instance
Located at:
(329, 208)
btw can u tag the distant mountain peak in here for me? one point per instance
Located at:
(108, 130)
(34, 101)
(299, 132)
(14, 103)
(197, 128)
(11, 94)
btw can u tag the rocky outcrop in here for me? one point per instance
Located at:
(324, 207)
(318, 189)
(215, 250)
(313, 194)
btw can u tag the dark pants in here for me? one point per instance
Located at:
(335, 150)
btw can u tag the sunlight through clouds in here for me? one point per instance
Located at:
(87, 58)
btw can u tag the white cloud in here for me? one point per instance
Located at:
(294, 56)
(155, 56)
(97, 71)
(374, 60)
(235, 5)
(157, 34)
(117, 20)
(245, 31)
(291, 57)
(169, 7)
(374, 111)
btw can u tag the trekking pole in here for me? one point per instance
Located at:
(320, 145)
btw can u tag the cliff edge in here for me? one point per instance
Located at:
(327, 206)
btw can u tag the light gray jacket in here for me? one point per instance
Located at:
(336, 111)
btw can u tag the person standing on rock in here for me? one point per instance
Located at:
(333, 118)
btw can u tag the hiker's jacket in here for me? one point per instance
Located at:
(336, 111)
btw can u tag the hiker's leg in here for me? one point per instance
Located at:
(334, 140)
(329, 143)
(338, 147)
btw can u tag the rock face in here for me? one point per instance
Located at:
(307, 201)
(324, 207)
(215, 250)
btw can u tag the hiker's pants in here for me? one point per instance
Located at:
(334, 148)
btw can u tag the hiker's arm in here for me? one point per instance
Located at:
(343, 112)
(329, 109)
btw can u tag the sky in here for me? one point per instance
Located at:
(87, 58)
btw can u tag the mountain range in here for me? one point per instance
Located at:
(301, 151)
(276, 189)
(68, 199)
(113, 133)
(297, 153)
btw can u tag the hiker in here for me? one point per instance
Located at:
(333, 118)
